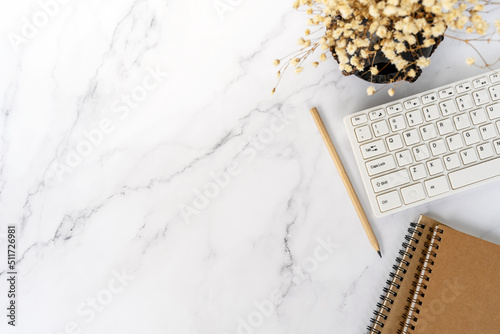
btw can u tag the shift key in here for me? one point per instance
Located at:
(389, 181)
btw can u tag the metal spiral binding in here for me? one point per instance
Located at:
(393, 284)
(425, 268)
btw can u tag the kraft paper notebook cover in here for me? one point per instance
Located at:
(445, 281)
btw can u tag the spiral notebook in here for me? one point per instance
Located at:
(444, 281)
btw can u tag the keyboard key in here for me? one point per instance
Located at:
(404, 158)
(397, 123)
(414, 117)
(455, 142)
(380, 128)
(380, 165)
(464, 102)
(496, 143)
(411, 137)
(498, 126)
(359, 119)
(394, 142)
(471, 137)
(413, 103)
(363, 133)
(431, 112)
(452, 161)
(494, 78)
(480, 82)
(435, 167)
(437, 186)
(461, 121)
(428, 131)
(478, 116)
(438, 147)
(487, 131)
(389, 181)
(485, 151)
(468, 156)
(495, 92)
(429, 98)
(376, 114)
(463, 87)
(421, 152)
(448, 108)
(373, 149)
(444, 93)
(493, 111)
(474, 174)
(445, 126)
(418, 172)
(413, 193)
(481, 97)
(389, 201)
(394, 109)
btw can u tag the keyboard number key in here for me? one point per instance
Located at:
(495, 92)
(431, 112)
(397, 123)
(363, 133)
(481, 97)
(437, 186)
(414, 117)
(447, 108)
(380, 128)
(468, 156)
(394, 142)
(452, 161)
(389, 201)
(464, 102)
(413, 193)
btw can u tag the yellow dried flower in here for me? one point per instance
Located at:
(391, 92)
(276, 62)
(371, 90)
(470, 61)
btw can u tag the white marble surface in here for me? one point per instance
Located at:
(104, 246)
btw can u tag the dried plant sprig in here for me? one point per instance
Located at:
(355, 31)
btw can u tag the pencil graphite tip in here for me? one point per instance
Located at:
(379, 254)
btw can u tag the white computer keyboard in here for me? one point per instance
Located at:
(430, 145)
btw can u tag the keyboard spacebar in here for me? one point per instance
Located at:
(474, 174)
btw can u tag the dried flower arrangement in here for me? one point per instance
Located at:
(384, 41)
